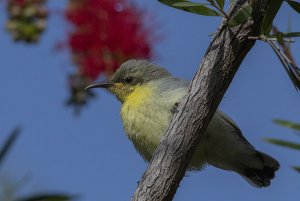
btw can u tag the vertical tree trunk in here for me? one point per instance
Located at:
(218, 67)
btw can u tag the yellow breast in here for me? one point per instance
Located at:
(143, 121)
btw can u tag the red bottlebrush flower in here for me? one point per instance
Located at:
(105, 34)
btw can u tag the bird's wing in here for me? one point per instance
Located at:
(232, 125)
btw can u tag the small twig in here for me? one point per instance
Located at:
(285, 47)
(290, 67)
(265, 38)
(8, 144)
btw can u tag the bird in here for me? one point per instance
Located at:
(149, 96)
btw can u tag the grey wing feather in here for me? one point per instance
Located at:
(235, 128)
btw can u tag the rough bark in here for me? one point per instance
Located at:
(218, 67)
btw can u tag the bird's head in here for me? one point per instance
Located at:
(131, 75)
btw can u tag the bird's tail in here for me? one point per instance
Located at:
(261, 174)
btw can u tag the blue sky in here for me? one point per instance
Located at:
(90, 155)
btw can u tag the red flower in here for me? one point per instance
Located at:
(105, 34)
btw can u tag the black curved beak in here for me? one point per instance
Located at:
(99, 85)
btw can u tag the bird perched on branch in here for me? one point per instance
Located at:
(149, 96)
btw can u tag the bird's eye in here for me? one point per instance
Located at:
(128, 80)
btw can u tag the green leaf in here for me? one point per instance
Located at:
(286, 35)
(9, 143)
(283, 143)
(287, 124)
(271, 12)
(192, 7)
(297, 168)
(291, 35)
(241, 16)
(47, 197)
(220, 3)
(295, 5)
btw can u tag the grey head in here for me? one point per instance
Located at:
(129, 76)
(135, 72)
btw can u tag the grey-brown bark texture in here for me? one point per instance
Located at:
(218, 67)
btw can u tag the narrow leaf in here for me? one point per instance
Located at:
(192, 7)
(286, 35)
(47, 197)
(241, 16)
(220, 3)
(297, 168)
(8, 144)
(295, 5)
(287, 124)
(271, 12)
(283, 143)
(291, 34)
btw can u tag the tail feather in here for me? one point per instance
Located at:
(261, 176)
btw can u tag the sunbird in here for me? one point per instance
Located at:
(149, 95)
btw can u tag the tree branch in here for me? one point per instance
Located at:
(218, 67)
